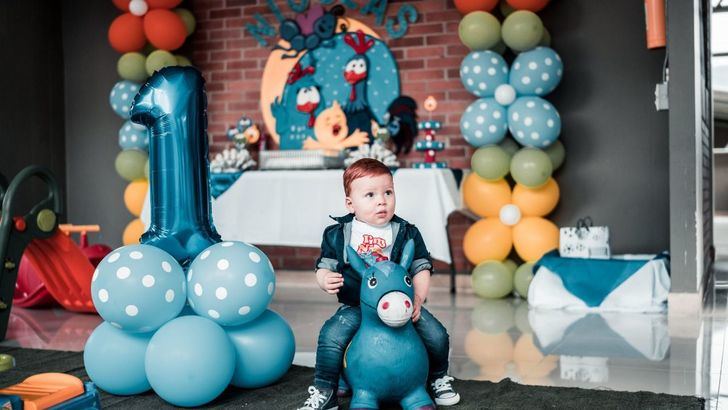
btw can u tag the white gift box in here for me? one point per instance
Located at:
(584, 241)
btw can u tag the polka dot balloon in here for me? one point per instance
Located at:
(534, 122)
(138, 288)
(230, 283)
(536, 72)
(121, 97)
(133, 136)
(482, 72)
(484, 122)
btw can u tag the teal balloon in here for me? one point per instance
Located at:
(493, 316)
(479, 30)
(484, 122)
(522, 30)
(190, 361)
(264, 350)
(490, 162)
(534, 122)
(531, 167)
(522, 279)
(114, 360)
(130, 163)
(133, 136)
(121, 97)
(510, 146)
(131, 66)
(492, 280)
(556, 153)
(536, 72)
(481, 72)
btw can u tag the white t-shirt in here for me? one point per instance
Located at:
(371, 240)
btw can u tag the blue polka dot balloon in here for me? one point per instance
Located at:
(230, 283)
(484, 122)
(121, 97)
(536, 72)
(133, 136)
(482, 72)
(534, 122)
(138, 288)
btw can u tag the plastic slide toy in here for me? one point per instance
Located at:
(50, 391)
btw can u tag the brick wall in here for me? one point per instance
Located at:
(428, 56)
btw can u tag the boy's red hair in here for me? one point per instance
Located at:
(365, 167)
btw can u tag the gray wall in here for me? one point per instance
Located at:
(616, 168)
(95, 191)
(31, 107)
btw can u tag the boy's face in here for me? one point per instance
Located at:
(371, 199)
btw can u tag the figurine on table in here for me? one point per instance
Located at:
(430, 146)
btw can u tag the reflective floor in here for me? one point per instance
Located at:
(676, 352)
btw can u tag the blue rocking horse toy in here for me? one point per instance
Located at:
(386, 360)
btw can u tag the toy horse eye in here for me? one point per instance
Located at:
(408, 281)
(372, 283)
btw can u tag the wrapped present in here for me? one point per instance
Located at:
(584, 241)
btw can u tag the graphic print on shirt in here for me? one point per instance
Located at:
(372, 246)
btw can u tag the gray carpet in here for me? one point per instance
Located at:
(291, 390)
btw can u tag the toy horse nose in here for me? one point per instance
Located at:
(395, 309)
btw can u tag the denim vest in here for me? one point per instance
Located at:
(337, 237)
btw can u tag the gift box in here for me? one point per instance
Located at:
(584, 241)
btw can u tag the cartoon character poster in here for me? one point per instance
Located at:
(325, 64)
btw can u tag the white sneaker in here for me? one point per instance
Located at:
(320, 400)
(443, 393)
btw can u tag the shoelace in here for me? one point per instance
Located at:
(316, 399)
(443, 384)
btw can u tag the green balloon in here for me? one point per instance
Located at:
(159, 59)
(545, 39)
(490, 162)
(130, 164)
(182, 61)
(146, 169)
(510, 146)
(521, 318)
(522, 279)
(506, 9)
(556, 153)
(522, 30)
(493, 316)
(531, 167)
(492, 280)
(131, 66)
(188, 19)
(511, 265)
(479, 30)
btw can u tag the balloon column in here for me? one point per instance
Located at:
(510, 100)
(145, 34)
(184, 314)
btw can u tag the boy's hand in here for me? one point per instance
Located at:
(329, 281)
(417, 309)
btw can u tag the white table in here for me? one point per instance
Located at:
(292, 208)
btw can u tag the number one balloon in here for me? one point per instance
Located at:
(172, 104)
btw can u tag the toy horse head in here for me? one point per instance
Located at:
(386, 287)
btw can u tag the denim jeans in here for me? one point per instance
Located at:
(338, 331)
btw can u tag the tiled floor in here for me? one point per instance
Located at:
(678, 353)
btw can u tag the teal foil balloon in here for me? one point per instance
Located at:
(172, 105)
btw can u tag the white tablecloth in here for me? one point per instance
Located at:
(292, 208)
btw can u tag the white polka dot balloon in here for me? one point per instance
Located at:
(536, 72)
(534, 122)
(482, 72)
(484, 122)
(133, 136)
(121, 97)
(138, 288)
(230, 283)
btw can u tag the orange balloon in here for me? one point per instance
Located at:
(485, 198)
(536, 201)
(134, 196)
(163, 4)
(133, 232)
(531, 5)
(122, 5)
(467, 6)
(533, 237)
(487, 239)
(126, 33)
(164, 29)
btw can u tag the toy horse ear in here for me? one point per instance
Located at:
(356, 261)
(407, 254)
